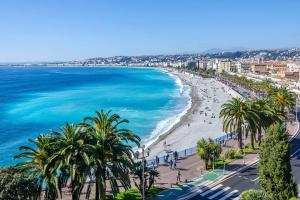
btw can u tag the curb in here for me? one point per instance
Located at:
(295, 134)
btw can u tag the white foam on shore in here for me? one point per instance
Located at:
(165, 125)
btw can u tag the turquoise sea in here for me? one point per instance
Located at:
(34, 100)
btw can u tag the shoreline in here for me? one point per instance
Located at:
(181, 83)
(187, 111)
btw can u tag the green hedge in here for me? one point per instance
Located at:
(133, 194)
(254, 195)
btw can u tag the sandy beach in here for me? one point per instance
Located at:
(201, 120)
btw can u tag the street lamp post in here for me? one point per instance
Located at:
(143, 175)
(243, 143)
(143, 158)
(244, 154)
(224, 163)
(213, 162)
(297, 108)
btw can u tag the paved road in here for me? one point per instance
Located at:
(295, 162)
(246, 179)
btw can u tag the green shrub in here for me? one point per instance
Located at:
(16, 185)
(248, 150)
(254, 195)
(238, 155)
(220, 163)
(230, 153)
(133, 194)
(294, 198)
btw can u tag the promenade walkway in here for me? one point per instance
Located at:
(193, 176)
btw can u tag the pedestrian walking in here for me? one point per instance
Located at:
(175, 155)
(178, 176)
(157, 160)
(167, 158)
(171, 164)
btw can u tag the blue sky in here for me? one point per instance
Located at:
(51, 30)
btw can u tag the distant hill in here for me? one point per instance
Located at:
(217, 50)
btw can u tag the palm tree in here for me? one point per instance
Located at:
(35, 157)
(145, 182)
(214, 149)
(267, 116)
(111, 152)
(237, 115)
(283, 100)
(71, 158)
(266, 85)
(203, 151)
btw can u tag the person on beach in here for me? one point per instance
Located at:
(174, 164)
(178, 176)
(167, 158)
(171, 164)
(175, 155)
(157, 160)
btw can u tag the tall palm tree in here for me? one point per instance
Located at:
(236, 115)
(35, 158)
(72, 158)
(267, 115)
(111, 151)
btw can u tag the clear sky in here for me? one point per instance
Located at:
(51, 30)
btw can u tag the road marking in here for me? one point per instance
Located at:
(204, 183)
(295, 152)
(255, 179)
(220, 192)
(229, 194)
(192, 194)
(236, 198)
(211, 190)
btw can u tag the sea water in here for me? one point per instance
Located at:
(35, 100)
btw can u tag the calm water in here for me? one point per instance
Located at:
(37, 99)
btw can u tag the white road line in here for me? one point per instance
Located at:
(211, 190)
(190, 195)
(218, 193)
(229, 194)
(204, 183)
(255, 179)
(295, 152)
(236, 198)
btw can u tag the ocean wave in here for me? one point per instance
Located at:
(165, 125)
(178, 81)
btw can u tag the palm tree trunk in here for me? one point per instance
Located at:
(259, 135)
(240, 138)
(103, 184)
(100, 184)
(97, 195)
(252, 140)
